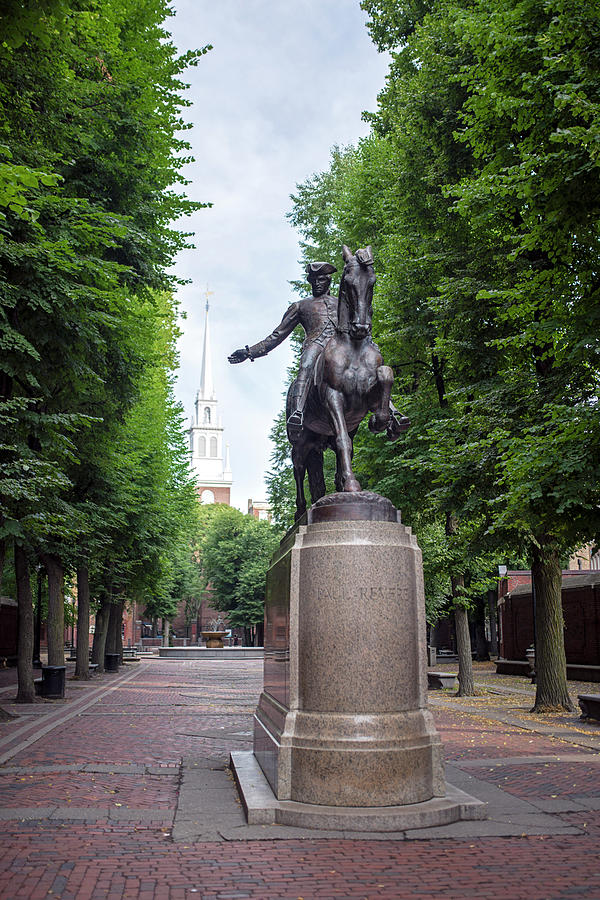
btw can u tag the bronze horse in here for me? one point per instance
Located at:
(350, 381)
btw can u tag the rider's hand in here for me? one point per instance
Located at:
(238, 356)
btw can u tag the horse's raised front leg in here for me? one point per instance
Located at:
(380, 419)
(345, 477)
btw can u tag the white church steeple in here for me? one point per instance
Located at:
(207, 389)
(209, 458)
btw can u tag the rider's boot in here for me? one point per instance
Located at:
(296, 419)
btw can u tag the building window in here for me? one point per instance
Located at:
(207, 497)
(207, 415)
(213, 446)
(201, 445)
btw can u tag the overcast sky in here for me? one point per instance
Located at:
(284, 82)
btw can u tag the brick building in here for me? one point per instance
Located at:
(581, 613)
(260, 509)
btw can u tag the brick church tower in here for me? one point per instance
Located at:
(208, 457)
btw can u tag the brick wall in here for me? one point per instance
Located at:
(581, 611)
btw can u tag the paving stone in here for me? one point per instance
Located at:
(198, 844)
(40, 812)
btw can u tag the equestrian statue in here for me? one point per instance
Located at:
(341, 376)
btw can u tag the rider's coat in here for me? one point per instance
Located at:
(318, 317)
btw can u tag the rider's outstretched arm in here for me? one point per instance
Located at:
(279, 334)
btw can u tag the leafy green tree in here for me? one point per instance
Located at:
(153, 497)
(531, 119)
(235, 552)
(90, 151)
(401, 218)
(479, 189)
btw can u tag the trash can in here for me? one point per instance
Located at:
(53, 682)
(111, 662)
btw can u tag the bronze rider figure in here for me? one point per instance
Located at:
(318, 317)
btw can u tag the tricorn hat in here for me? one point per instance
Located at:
(319, 268)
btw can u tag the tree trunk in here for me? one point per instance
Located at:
(482, 653)
(111, 633)
(3, 543)
(481, 643)
(82, 666)
(119, 635)
(466, 685)
(552, 692)
(493, 614)
(114, 642)
(55, 625)
(100, 634)
(25, 690)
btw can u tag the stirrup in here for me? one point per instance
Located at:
(294, 424)
(397, 425)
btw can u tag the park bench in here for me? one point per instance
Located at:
(130, 654)
(93, 668)
(438, 680)
(72, 657)
(590, 706)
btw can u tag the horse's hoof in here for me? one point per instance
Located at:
(378, 423)
(352, 486)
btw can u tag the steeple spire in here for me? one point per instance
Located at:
(209, 463)
(207, 390)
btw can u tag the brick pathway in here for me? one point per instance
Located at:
(92, 789)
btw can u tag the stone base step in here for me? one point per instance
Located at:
(263, 808)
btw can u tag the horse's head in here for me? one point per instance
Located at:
(356, 293)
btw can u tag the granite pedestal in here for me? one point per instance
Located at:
(342, 722)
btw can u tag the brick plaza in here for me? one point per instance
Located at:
(122, 791)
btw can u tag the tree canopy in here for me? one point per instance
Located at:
(235, 552)
(92, 459)
(478, 188)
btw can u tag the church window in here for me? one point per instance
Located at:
(213, 446)
(207, 415)
(207, 497)
(201, 445)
